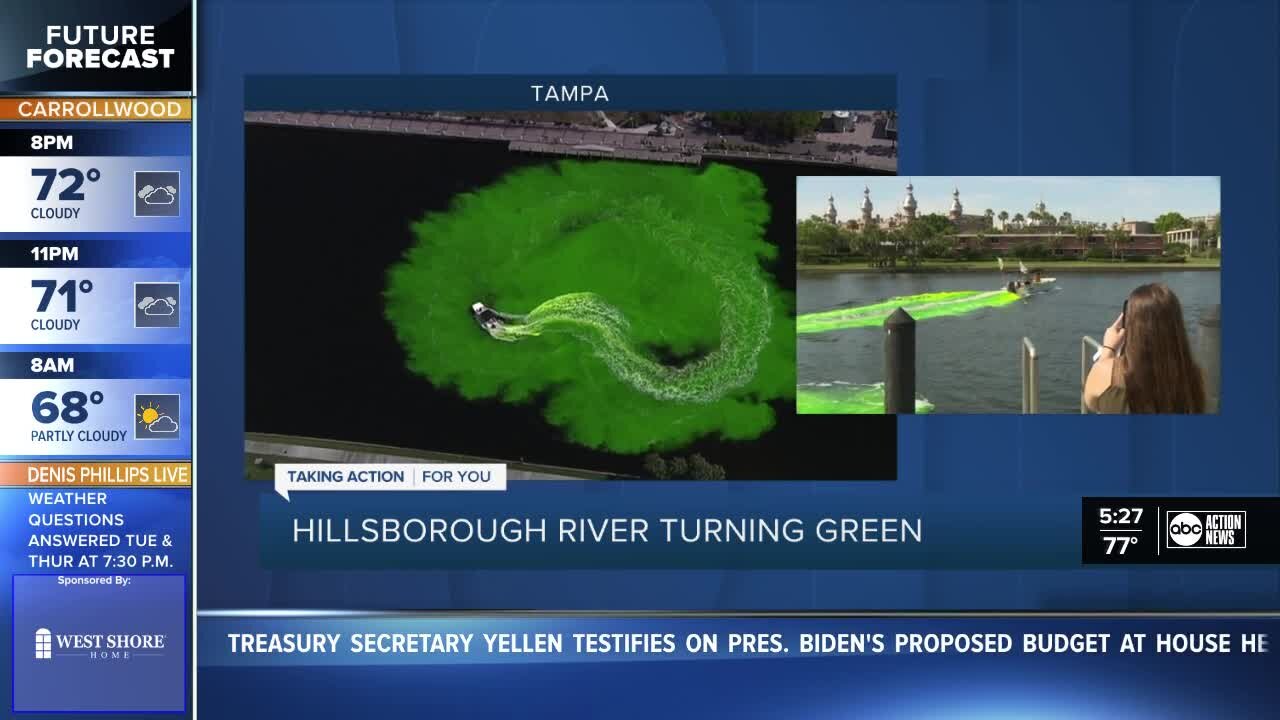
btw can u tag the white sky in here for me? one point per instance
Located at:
(1099, 199)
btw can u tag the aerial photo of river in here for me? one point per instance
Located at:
(390, 237)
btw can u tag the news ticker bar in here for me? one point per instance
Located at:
(649, 664)
(645, 664)
(1180, 530)
(241, 638)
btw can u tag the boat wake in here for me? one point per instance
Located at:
(922, 307)
(842, 398)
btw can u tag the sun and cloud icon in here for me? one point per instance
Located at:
(156, 416)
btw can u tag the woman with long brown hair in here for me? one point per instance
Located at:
(1145, 365)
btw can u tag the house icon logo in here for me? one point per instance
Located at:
(44, 644)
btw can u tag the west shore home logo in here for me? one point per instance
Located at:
(50, 645)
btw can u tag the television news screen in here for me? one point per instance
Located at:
(699, 359)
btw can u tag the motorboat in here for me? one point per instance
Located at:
(1035, 279)
(486, 317)
(1029, 282)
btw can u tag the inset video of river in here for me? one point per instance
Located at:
(970, 362)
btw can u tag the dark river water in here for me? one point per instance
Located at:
(970, 363)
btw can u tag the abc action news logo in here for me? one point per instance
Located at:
(1205, 529)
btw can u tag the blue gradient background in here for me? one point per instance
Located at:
(984, 88)
(148, 681)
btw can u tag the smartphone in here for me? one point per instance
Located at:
(1124, 312)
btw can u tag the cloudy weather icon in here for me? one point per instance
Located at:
(157, 306)
(158, 195)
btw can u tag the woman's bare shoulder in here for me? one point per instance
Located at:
(1098, 381)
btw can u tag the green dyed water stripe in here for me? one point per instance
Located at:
(921, 307)
(847, 400)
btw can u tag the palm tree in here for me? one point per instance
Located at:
(1083, 233)
(1018, 220)
(858, 242)
(892, 247)
(869, 241)
(1004, 217)
(1116, 238)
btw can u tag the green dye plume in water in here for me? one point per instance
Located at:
(635, 307)
(744, 331)
(847, 400)
(921, 307)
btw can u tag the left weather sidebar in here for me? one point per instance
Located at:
(97, 107)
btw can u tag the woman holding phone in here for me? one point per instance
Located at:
(1145, 365)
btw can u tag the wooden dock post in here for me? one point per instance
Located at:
(900, 363)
